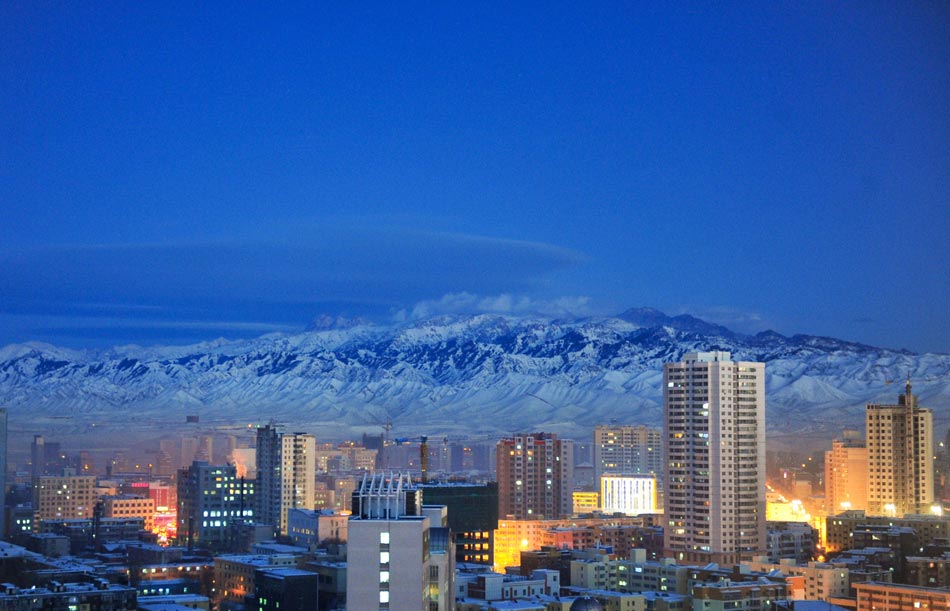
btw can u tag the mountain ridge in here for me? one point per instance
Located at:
(455, 374)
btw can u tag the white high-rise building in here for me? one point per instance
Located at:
(714, 458)
(399, 552)
(621, 449)
(900, 457)
(286, 475)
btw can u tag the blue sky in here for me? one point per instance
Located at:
(171, 173)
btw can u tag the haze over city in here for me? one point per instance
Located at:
(173, 173)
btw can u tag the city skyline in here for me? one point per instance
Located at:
(176, 174)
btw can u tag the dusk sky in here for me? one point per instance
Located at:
(171, 173)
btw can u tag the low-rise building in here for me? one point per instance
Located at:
(130, 506)
(234, 575)
(839, 528)
(822, 580)
(99, 595)
(894, 597)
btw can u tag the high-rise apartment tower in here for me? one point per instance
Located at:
(627, 450)
(900, 457)
(286, 474)
(714, 458)
(535, 476)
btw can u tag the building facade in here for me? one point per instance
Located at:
(63, 498)
(627, 450)
(900, 457)
(894, 597)
(473, 517)
(846, 474)
(212, 502)
(399, 555)
(286, 473)
(535, 474)
(628, 494)
(714, 458)
(130, 506)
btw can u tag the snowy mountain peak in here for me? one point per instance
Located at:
(454, 375)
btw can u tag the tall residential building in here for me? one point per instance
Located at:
(286, 474)
(212, 502)
(714, 458)
(535, 476)
(399, 554)
(627, 450)
(846, 474)
(900, 457)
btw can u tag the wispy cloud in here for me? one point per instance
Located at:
(288, 279)
(505, 303)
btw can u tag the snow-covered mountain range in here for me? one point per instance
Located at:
(453, 375)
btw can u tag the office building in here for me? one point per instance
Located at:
(535, 476)
(284, 589)
(627, 450)
(846, 474)
(235, 576)
(714, 457)
(473, 517)
(130, 506)
(286, 473)
(399, 555)
(309, 528)
(212, 503)
(63, 498)
(629, 494)
(900, 457)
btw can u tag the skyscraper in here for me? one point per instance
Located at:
(621, 449)
(714, 458)
(900, 457)
(535, 476)
(286, 473)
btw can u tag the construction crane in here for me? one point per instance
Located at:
(423, 441)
